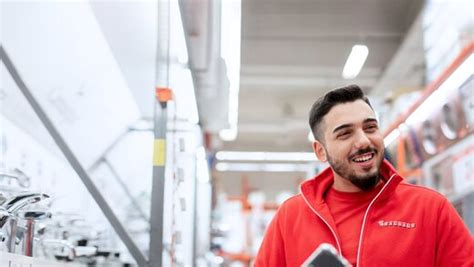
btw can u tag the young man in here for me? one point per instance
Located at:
(359, 204)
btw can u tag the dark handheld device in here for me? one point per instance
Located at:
(325, 256)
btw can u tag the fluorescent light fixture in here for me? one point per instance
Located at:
(265, 156)
(261, 167)
(231, 19)
(355, 61)
(392, 136)
(438, 97)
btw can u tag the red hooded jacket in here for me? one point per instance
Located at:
(404, 225)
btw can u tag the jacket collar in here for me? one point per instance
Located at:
(314, 189)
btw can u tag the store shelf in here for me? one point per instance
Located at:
(15, 260)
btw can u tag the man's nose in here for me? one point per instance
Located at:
(362, 140)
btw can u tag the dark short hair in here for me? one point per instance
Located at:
(324, 104)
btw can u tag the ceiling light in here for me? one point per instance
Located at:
(262, 167)
(265, 156)
(355, 61)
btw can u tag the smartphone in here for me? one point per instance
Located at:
(325, 256)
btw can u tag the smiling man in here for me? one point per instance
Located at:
(359, 204)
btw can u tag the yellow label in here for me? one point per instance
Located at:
(159, 152)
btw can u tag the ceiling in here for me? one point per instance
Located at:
(294, 51)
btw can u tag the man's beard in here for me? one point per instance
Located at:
(364, 182)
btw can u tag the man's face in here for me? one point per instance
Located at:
(353, 144)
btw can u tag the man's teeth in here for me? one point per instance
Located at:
(364, 158)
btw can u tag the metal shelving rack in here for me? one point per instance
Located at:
(75, 164)
(159, 158)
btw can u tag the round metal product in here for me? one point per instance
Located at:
(449, 121)
(429, 137)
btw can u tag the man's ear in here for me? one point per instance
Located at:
(319, 150)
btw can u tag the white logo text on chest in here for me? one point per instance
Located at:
(401, 224)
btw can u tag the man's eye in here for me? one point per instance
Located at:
(372, 127)
(343, 134)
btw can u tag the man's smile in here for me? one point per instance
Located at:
(364, 157)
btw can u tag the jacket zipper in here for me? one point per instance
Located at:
(365, 218)
(321, 217)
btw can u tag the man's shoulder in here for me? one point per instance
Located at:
(293, 200)
(292, 208)
(420, 192)
(293, 203)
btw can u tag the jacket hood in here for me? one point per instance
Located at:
(314, 189)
